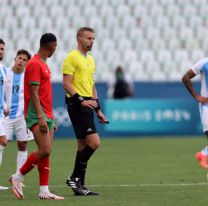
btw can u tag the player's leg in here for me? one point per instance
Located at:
(3, 138)
(203, 154)
(44, 147)
(21, 154)
(44, 171)
(23, 135)
(3, 143)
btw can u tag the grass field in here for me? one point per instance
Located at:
(126, 172)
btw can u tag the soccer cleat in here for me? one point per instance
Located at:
(75, 185)
(16, 187)
(202, 158)
(49, 196)
(3, 188)
(88, 192)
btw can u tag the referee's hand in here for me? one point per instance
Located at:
(102, 118)
(89, 103)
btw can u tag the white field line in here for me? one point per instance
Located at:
(133, 185)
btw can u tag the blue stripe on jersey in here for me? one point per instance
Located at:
(205, 71)
(1, 92)
(15, 95)
(4, 69)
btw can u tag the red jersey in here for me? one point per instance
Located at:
(37, 72)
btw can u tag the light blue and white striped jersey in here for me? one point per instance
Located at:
(2, 89)
(14, 93)
(201, 67)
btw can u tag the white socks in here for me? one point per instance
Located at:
(205, 151)
(44, 189)
(21, 158)
(1, 153)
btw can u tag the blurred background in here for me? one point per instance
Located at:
(154, 41)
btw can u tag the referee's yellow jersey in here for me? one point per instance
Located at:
(82, 68)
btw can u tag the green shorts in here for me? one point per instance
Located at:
(33, 121)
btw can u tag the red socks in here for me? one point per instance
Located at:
(44, 171)
(43, 167)
(30, 163)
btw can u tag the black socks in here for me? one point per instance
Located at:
(81, 160)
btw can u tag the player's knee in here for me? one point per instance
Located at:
(22, 146)
(3, 142)
(45, 153)
(96, 145)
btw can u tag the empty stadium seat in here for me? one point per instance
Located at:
(164, 33)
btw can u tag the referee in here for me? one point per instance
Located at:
(81, 99)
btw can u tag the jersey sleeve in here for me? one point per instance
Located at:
(69, 66)
(34, 73)
(198, 66)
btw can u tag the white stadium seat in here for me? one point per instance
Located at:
(169, 34)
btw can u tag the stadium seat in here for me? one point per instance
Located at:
(197, 55)
(161, 31)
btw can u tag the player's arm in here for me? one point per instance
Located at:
(76, 98)
(102, 118)
(34, 90)
(187, 82)
(6, 107)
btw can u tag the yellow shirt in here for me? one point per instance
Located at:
(82, 70)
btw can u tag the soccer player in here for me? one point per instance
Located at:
(3, 109)
(201, 67)
(15, 121)
(81, 98)
(39, 118)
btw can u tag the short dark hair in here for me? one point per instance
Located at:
(2, 41)
(83, 29)
(46, 39)
(25, 52)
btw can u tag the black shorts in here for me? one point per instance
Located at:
(82, 119)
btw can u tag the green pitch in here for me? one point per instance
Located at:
(126, 172)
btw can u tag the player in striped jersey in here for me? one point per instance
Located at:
(3, 110)
(15, 120)
(201, 67)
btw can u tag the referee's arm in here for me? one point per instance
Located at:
(67, 84)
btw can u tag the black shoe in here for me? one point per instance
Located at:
(88, 192)
(75, 185)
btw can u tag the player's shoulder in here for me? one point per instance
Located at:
(34, 61)
(2, 66)
(5, 69)
(203, 61)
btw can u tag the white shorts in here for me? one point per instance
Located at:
(18, 127)
(2, 130)
(203, 110)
